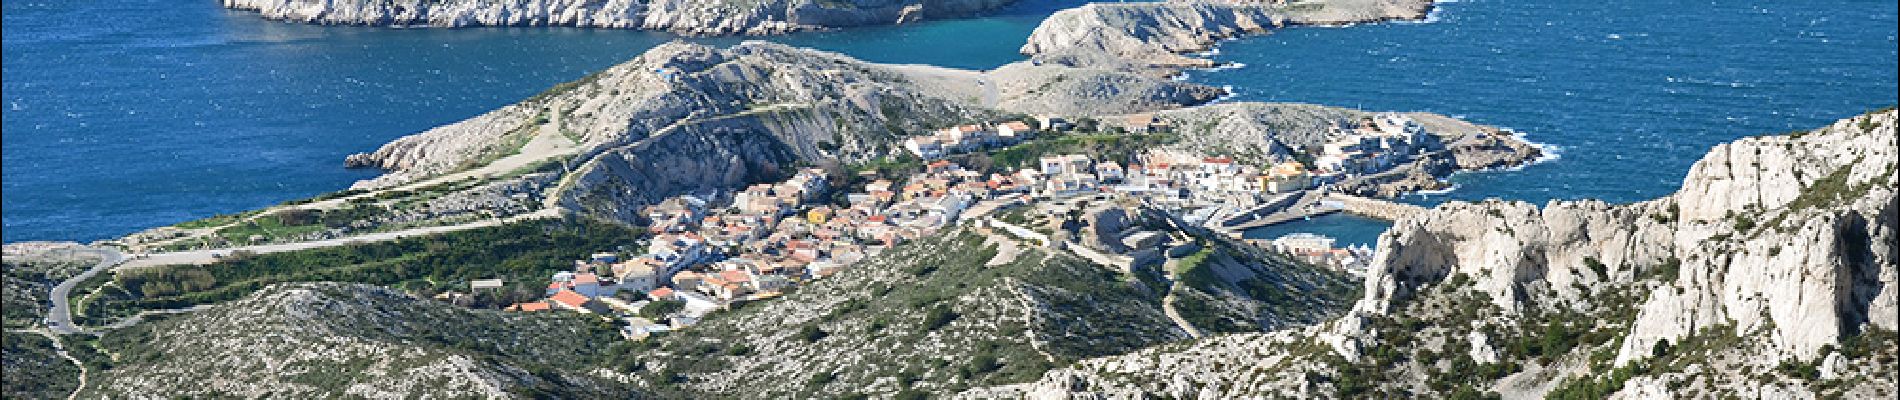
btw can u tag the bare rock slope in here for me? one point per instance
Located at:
(349, 340)
(686, 118)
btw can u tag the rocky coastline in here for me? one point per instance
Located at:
(1157, 38)
(1776, 255)
(687, 17)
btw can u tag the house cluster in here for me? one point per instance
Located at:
(967, 138)
(1318, 250)
(1186, 180)
(710, 252)
(1374, 144)
(583, 289)
(770, 237)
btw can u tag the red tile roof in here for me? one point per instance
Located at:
(734, 276)
(569, 298)
(583, 279)
(661, 293)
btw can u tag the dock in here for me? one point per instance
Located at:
(1314, 203)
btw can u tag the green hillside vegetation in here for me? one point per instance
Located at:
(523, 254)
(30, 368)
(310, 340)
(927, 317)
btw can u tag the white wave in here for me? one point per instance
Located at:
(1230, 94)
(1550, 152)
(1423, 193)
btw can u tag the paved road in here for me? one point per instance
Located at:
(60, 318)
(209, 256)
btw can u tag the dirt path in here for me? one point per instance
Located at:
(60, 348)
(1167, 304)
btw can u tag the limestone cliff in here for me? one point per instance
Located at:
(1153, 37)
(1771, 274)
(698, 17)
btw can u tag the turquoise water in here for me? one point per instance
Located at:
(1347, 228)
(139, 113)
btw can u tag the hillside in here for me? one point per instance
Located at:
(685, 118)
(348, 340)
(30, 363)
(935, 316)
(1770, 274)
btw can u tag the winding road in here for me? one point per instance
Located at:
(60, 319)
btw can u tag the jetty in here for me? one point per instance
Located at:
(1314, 203)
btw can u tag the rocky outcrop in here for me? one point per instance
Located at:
(1153, 37)
(754, 17)
(1062, 90)
(1261, 133)
(1777, 255)
(697, 17)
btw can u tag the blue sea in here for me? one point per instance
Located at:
(136, 113)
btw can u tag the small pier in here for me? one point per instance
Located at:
(1313, 203)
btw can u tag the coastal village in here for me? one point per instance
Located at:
(706, 254)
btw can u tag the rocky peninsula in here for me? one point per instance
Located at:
(690, 17)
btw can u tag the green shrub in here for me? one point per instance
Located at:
(938, 317)
(811, 333)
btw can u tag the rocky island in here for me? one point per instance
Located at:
(690, 17)
(1156, 37)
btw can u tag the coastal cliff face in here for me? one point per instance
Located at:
(696, 17)
(1772, 273)
(1153, 37)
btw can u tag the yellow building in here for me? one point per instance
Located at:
(1286, 177)
(818, 215)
